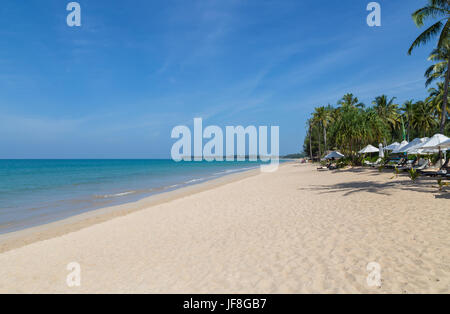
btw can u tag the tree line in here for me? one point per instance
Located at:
(350, 124)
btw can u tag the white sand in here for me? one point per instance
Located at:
(293, 231)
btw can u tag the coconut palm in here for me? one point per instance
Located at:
(435, 9)
(310, 138)
(350, 100)
(436, 99)
(439, 69)
(408, 113)
(323, 116)
(375, 127)
(316, 119)
(423, 117)
(387, 110)
(349, 128)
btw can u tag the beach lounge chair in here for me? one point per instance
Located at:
(422, 164)
(373, 164)
(396, 163)
(324, 167)
(388, 162)
(332, 167)
(444, 170)
(408, 165)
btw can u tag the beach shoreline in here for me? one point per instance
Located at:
(296, 230)
(25, 236)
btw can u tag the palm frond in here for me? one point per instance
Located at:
(427, 12)
(444, 4)
(444, 38)
(426, 36)
(429, 81)
(429, 71)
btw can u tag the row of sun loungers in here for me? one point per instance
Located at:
(403, 164)
(423, 166)
(443, 172)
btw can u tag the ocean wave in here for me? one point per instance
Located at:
(115, 195)
(234, 170)
(194, 180)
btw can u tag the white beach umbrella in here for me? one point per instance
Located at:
(393, 146)
(381, 151)
(435, 142)
(416, 147)
(399, 148)
(414, 143)
(335, 155)
(418, 150)
(446, 144)
(369, 149)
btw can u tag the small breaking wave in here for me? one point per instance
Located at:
(234, 170)
(194, 180)
(115, 195)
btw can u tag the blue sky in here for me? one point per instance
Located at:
(116, 86)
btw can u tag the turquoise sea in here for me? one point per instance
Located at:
(34, 192)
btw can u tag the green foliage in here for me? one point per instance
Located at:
(350, 126)
(370, 159)
(413, 174)
(436, 99)
(436, 9)
(387, 111)
(434, 158)
(344, 162)
(439, 11)
(396, 173)
(438, 70)
(424, 118)
(441, 184)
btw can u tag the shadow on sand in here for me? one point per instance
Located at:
(443, 195)
(381, 188)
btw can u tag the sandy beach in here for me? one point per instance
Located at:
(296, 230)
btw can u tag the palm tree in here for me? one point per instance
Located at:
(387, 110)
(316, 119)
(350, 100)
(435, 9)
(323, 117)
(436, 99)
(349, 128)
(408, 113)
(310, 138)
(439, 69)
(423, 117)
(375, 127)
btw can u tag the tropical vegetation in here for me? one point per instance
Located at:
(439, 10)
(350, 124)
